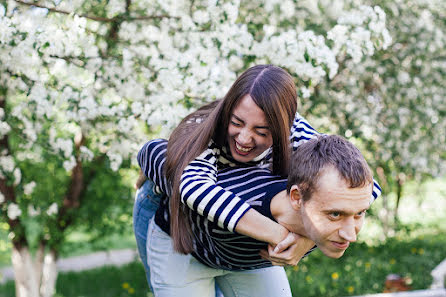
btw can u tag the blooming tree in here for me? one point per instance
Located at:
(80, 81)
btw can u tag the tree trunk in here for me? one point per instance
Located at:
(49, 274)
(26, 284)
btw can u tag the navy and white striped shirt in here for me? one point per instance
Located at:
(213, 245)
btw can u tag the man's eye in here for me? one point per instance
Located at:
(361, 213)
(335, 215)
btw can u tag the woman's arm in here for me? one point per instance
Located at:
(151, 159)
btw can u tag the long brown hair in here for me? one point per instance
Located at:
(273, 90)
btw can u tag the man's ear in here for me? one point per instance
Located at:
(295, 197)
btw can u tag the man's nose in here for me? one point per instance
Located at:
(348, 231)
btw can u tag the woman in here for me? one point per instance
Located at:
(264, 98)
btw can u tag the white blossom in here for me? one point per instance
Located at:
(29, 188)
(13, 211)
(69, 164)
(17, 176)
(2, 198)
(53, 209)
(7, 163)
(32, 211)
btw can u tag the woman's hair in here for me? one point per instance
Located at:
(273, 90)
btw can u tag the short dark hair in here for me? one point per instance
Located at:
(310, 159)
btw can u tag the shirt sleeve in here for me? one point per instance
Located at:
(302, 131)
(151, 158)
(199, 192)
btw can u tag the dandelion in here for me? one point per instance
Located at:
(296, 268)
(308, 279)
(125, 285)
(335, 275)
(392, 261)
(413, 250)
(131, 291)
(421, 251)
(367, 265)
(350, 289)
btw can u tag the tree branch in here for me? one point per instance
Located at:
(97, 18)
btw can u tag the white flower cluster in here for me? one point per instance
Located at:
(13, 211)
(29, 188)
(359, 30)
(4, 127)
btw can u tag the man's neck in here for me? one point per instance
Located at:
(285, 214)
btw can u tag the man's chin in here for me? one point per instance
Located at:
(333, 254)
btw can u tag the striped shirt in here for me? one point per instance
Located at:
(213, 245)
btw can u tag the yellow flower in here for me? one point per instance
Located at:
(350, 289)
(335, 275)
(413, 250)
(308, 279)
(296, 268)
(421, 251)
(125, 285)
(392, 261)
(131, 291)
(367, 264)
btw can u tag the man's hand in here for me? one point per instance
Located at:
(289, 251)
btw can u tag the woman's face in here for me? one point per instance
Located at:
(248, 132)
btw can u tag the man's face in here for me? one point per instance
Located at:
(334, 214)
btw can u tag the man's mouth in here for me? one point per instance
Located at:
(341, 245)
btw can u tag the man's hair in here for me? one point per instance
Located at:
(310, 159)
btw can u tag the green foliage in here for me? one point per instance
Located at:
(363, 269)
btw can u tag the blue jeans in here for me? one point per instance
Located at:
(146, 204)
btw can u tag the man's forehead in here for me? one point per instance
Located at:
(332, 192)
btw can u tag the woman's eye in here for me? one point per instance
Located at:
(235, 124)
(261, 134)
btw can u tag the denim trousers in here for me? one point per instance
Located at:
(146, 204)
(178, 275)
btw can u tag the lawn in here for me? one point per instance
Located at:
(362, 270)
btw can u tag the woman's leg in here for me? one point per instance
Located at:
(146, 204)
(264, 282)
(174, 274)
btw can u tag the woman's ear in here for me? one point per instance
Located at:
(295, 197)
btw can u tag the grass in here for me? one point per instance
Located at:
(361, 270)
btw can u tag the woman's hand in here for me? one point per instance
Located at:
(289, 251)
(141, 179)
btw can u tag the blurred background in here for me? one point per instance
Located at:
(84, 84)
